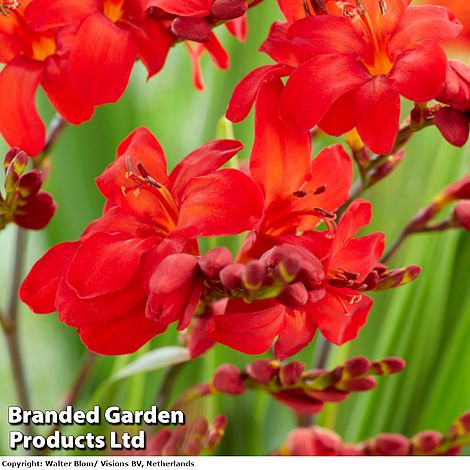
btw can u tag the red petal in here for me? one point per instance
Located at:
(296, 333)
(340, 117)
(49, 14)
(153, 42)
(423, 22)
(386, 24)
(420, 74)
(142, 147)
(339, 315)
(78, 313)
(217, 53)
(281, 154)
(299, 401)
(102, 59)
(202, 161)
(453, 125)
(71, 106)
(105, 263)
(293, 9)
(378, 114)
(356, 216)
(182, 8)
(245, 92)
(250, 332)
(224, 203)
(123, 335)
(306, 98)
(20, 123)
(39, 288)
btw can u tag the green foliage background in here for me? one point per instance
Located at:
(427, 322)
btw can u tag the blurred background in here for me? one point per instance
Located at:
(427, 322)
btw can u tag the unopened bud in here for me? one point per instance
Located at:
(288, 268)
(388, 366)
(358, 385)
(398, 277)
(291, 373)
(30, 183)
(462, 214)
(458, 190)
(228, 379)
(330, 395)
(191, 28)
(356, 367)
(392, 445)
(231, 275)
(214, 261)
(228, 9)
(254, 275)
(262, 370)
(453, 125)
(216, 432)
(426, 441)
(294, 295)
(461, 427)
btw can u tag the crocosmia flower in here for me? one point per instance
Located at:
(34, 56)
(99, 283)
(349, 71)
(112, 34)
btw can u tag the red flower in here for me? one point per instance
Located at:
(193, 22)
(34, 56)
(99, 284)
(349, 71)
(113, 33)
(299, 195)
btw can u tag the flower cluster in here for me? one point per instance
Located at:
(24, 202)
(319, 441)
(82, 53)
(305, 392)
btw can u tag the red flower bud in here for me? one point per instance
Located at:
(228, 379)
(462, 214)
(262, 370)
(294, 295)
(37, 212)
(215, 432)
(457, 88)
(356, 366)
(191, 28)
(330, 395)
(291, 373)
(398, 277)
(254, 275)
(389, 365)
(228, 9)
(453, 125)
(30, 183)
(392, 444)
(214, 261)
(231, 275)
(426, 441)
(458, 190)
(359, 385)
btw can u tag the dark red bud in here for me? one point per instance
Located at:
(228, 379)
(30, 183)
(262, 370)
(216, 432)
(37, 213)
(456, 92)
(462, 214)
(231, 275)
(214, 261)
(458, 190)
(330, 395)
(228, 9)
(12, 154)
(392, 444)
(359, 385)
(294, 295)
(453, 125)
(426, 441)
(357, 366)
(398, 277)
(288, 268)
(191, 28)
(291, 373)
(254, 275)
(389, 365)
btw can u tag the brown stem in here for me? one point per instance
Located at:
(395, 246)
(54, 131)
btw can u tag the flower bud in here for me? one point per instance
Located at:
(294, 295)
(215, 432)
(254, 275)
(262, 370)
(288, 268)
(231, 275)
(30, 183)
(458, 190)
(358, 385)
(214, 261)
(453, 125)
(228, 379)
(291, 373)
(392, 445)
(356, 367)
(462, 214)
(191, 28)
(456, 92)
(426, 441)
(461, 427)
(398, 277)
(330, 395)
(388, 366)
(228, 9)
(36, 213)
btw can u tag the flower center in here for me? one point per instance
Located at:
(113, 9)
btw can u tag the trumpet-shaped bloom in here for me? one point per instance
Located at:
(99, 284)
(349, 71)
(112, 34)
(33, 57)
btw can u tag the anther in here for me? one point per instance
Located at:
(8, 5)
(315, 7)
(383, 7)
